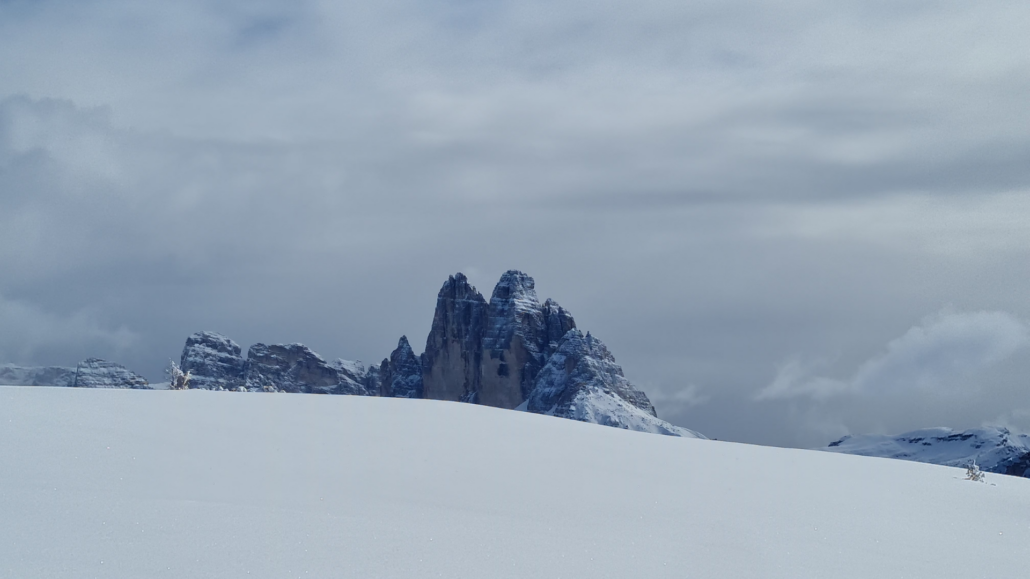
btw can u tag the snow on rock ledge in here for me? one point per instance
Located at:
(581, 381)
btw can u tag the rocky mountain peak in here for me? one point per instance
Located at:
(515, 287)
(401, 373)
(454, 347)
(289, 368)
(97, 373)
(214, 361)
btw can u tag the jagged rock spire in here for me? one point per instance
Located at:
(454, 347)
(401, 373)
(490, 353)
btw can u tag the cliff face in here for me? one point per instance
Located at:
(515, 342)
(97, 373)
(213, 361)
(454, 349)
(515, 352)
(289, 368)
(490, 353)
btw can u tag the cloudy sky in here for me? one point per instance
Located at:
(789, 221)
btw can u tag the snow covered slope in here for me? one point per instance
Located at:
(170, 484)
(994, 449)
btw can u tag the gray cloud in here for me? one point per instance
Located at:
(29, 332)
(941, 354)
(710, 187)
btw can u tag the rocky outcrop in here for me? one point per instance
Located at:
(557, 323)
(992, 448)
(97, 373)
(514, 352)
(355, 379)
(213, 362)
(401, 374)
(289, 368)
(454, 349)
(490, 353)
(515, 342)
(13, 375)
(581, 381)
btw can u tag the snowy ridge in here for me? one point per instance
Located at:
(993, 448)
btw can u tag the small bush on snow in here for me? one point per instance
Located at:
(974, 473)
(176, 377)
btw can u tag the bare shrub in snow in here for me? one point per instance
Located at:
(974, 473)
(176, 377)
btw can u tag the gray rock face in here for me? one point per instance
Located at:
(13, 375)
(581, 381)
(355, 379)
(557, 323)
(214, 361)
(401, 374)
(514, 352)
(515, 342)
(97, 373)
(490, 353)
(289, 368)
(454, 348)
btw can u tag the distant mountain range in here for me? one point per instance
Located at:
(509, 352)
(993, 449)
(90, 373)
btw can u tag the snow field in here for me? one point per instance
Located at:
(130, 484)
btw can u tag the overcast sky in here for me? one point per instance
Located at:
(789, 221)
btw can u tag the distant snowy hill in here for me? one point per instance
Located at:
(994, 449)
(127, 484)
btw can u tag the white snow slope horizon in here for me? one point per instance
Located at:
(129, 484)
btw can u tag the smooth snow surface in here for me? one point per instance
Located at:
(199, 484)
